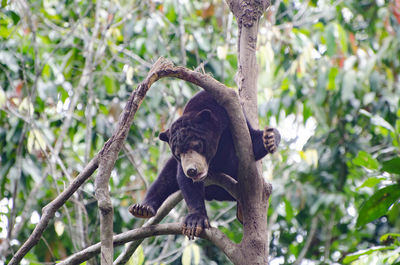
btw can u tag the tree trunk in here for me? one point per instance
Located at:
(255, 194)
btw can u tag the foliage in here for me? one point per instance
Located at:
(328, 79)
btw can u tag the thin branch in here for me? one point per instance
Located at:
(50, 209)
(329, 231)
(314, 225)
(5, 245)
(165, 208)
(225, 181)
(135, 234)
(129, 154)
(130, 248)
(84, 80)
(212, 234)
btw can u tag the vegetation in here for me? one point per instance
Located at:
(329, 80)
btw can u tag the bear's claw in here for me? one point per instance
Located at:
(194, 224)
(271, 138)
(142, 211)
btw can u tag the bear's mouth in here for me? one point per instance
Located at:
(199, 177)
(194, 165)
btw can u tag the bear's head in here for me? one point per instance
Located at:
(193, 139)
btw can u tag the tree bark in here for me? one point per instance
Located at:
(255, 192)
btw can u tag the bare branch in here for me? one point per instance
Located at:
(130, 248)
(136, 234)
(212, 234)
(129, 154)
(50, 209)
(225, 181)
(314, 226)
(87, 74)
(165, 208)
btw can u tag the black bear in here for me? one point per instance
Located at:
(201, 144)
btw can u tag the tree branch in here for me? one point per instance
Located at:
(94, 250)
(165, 208)
(49, 210)
(226, 182)
(212, 234)
(314, 226)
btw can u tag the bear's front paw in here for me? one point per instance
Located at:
(271, 139)
(142, 211)
(194, 224)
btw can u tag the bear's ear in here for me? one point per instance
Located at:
(164, 136)
(205, 115)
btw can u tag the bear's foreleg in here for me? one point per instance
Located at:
(265, 141)
(193, 193)
(162, 187)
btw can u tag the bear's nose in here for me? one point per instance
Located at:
(191, 172)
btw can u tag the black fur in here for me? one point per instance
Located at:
(206, 121)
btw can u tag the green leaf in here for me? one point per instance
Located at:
(187, 256)
(332, 78)
(137, 257)
(191, 255)
(378, 204)
(289, 210)
(352, 257)
(394, 212)
(3, 98)
(392, 166)
(330, 40)
(14, 16)
(371, 182)
(46, 72)
(342, 38)
(196, 254)
(364, 159)
(379, 121)
(385, 236)
(171, 14)
(109, 83)
(294, 249)
(348, 84)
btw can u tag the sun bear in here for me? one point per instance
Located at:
(201, 144)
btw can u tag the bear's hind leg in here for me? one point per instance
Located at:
(162, 187)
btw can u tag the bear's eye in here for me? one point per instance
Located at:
(198, 147)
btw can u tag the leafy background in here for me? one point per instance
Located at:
(329, 80)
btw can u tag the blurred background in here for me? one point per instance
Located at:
(329, 80)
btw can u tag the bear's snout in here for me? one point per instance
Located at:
(191, 172)
(194, 165)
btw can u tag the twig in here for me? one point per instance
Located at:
(88, 253)
(303, 252)
(129, 154)
(165, 208)
(50, 209)
(212, 234)
(84, 80)
(328, 241)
